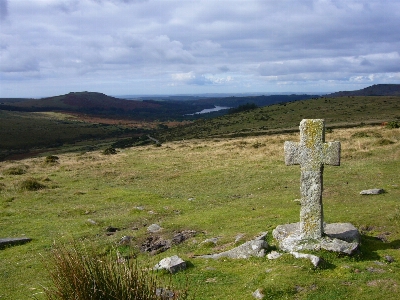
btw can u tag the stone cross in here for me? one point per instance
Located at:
(312, 153)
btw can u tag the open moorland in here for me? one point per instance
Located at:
(221, 188)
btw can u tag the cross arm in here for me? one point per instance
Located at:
(332, 154)
(291, 153)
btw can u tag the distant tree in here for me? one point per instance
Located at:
(244, 107)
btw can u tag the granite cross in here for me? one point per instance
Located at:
(312, 153)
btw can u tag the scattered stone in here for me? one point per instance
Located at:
(239, 237)
(383, 237)
(182, 236)
(372, 192)
(253, 248)
(92, 221)
(375, 270)
(389, 259)
(153, 228)
(311, 233)
(5, 242)
(212, 241)
(172, 264)
(164, 293)
(125, 240)
(315, 260)
(139, 207)
(258, 294)
(191, 199)
(155, 244)
(274, 255)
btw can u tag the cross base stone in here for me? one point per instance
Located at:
(338, 237)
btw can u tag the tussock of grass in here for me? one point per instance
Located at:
(82, 274)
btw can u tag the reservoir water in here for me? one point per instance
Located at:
(208, 110)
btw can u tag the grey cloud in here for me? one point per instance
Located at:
(3, 9)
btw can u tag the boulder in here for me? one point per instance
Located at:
(338, 237)
(253, 248)
(372, 192)
(153, 228)
(5, 242)
(172, 264)
(315, 260)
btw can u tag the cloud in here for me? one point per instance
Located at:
(3, 9)
(241, 44)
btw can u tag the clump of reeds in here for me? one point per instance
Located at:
(80, 274)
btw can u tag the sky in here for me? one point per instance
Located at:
(149, 47)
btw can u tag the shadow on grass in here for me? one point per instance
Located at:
(370, 245)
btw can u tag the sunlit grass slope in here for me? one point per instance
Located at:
(220, 188)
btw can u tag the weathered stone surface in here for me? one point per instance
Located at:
(372, 192)
(155, 244)
(274, 255)
(211, 241)
(154, 228)
(315, 260)
(5, 242)
(339, 237)
(258, 294)
(172, 264)
(312, 153)
(182, 236)
(253, 248)
(311, 233)
(125, 240)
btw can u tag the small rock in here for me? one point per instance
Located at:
(258, 294)
(375, 270)
(239, 237)
(389, 259)
(315, 260)
(274, 255)
(172, 264)
(212, 241)
(154, 228)
(165, 293)
(372, 192)
(155, 244)
(253, 248)
(182, 236)
(92, 221)
(4, 242)
(125, 240)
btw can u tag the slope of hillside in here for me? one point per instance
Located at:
(338, 112)
(374, 90)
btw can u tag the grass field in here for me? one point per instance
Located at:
(220, 188)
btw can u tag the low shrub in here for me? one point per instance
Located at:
(81, 274)
(383, 142)
(393, 124)
(18, 170)
(366, 134)
(51, 159)
(109, 151)
(31, 184)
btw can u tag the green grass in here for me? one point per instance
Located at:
(220, 188)
(24, 131)
(337, 112)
